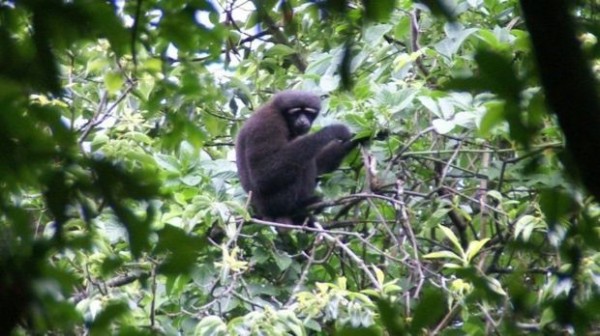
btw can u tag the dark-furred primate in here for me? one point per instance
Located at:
(278, 161)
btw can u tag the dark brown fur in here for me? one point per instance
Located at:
(279, 163)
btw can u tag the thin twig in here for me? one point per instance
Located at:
(352, 256)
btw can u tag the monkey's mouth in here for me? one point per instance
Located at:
(302, 129)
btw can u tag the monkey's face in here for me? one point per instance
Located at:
(300, 119)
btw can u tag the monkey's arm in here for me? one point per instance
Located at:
(275, 165)
(307, 147)
(330, 158)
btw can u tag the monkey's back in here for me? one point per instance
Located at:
(258, 151)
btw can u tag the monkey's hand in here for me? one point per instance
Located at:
(338, 132)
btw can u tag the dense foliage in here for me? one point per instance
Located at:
(121, 211)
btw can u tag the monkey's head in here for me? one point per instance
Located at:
(298, 108)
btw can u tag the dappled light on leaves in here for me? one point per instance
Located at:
(468, 205)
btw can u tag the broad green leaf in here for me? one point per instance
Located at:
(191, 180)
(153, 65)
(283, 261)
(211, 326)
(391, 317)
(437, 217)
(176, 285)
(443, 126)
(378, 10)
(391, 288)
(187, 152)
(456, 36)
(280, 50)
(525, 226)
(429, 310)
(495, 194)
(547, 317)
(329, 83)
(374, 33)
(97, 65)
(113, 81)
(431, 105)
(167, 163)
(493, 117)
(102, 321)
(403, 60)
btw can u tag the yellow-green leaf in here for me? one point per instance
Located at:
(441, 255)
(391, 288)
(450, 235)
(379, 274)
(495, 285)
(113, 82)
(280, 50)
(153, 65)
(525, 226)
(452, 266)
(475, 247)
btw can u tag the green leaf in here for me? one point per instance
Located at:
(378, 10)
(452, 237)
(498, 74)
(391, 317)
(495, 285)
(374, 33)
(556, 204)
(391, 288)
(437, 217)
(97, 65)
(113, 81)
(187, 152)
(493, 117)
(525, 226)
(167, 163)
(443, 126)
(213, 125)
(379, 275)
(211, 326)
(183, 249)
(191, 180)
(456, 36)
(429, 310)
(102, 321)
(283, 260)
(495, 194)
(442, 254)
(431, 105)
(547, 317)
(176, 285)
(454, 266)
(474, 248)
(280, 50)
(329, 83)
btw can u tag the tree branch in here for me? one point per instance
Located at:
(568, 82)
